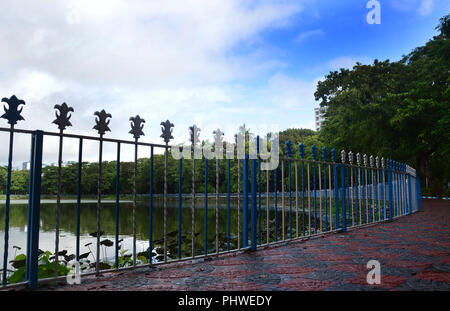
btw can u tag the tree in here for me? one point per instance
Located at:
(398, 110)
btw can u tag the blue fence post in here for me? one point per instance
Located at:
(228, 203)
(289, 153)
(389, 172)
(206, 207)
(344, 220)
(336, 193)
(314, 157)
(259, 189)
(117, 206)
(383, 211)
(30, 197)
(419, 193)
(253, 205)
(301, 152)
(245, 202)
(180, 199)
(34, 220)
(409, 192)
(324, 159)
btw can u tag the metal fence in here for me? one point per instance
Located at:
(298, 199)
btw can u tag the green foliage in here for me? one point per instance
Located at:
(46, 267)
(398, 110)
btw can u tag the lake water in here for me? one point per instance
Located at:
(88, 224)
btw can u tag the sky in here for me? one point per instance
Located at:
(215, 63)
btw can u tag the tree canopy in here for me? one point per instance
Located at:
(398, 110)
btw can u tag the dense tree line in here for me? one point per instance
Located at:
(89, 177)
(398, 110)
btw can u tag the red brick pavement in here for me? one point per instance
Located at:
(414, 253)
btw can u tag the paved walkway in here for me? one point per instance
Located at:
(414, 252)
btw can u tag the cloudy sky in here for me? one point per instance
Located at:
(215, 63)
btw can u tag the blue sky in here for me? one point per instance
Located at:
(218, 63)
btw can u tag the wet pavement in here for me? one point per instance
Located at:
(413, 252)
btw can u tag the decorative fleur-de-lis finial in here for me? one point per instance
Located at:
(365, 159)
(301, 150)
(288, 148)
(12, 114)
(137, 126)
(218, 140)
(382, 162)
(314, 152)
(358, 159)
(371, 161)
(102, 122)
(343, 156)
(194, 132)
(62, 119)
(350, 158)
(166, 128)
(324, 153)
(333, 155)
(377, 162)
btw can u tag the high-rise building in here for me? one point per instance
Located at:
(319, 114)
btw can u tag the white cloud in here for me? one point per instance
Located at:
(306, 34)
(160, 59)
(348, 62)
(426, 7)
(422, 7)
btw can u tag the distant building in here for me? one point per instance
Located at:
(26, 166)
(319, 114)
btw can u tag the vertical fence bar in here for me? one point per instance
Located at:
(180, 199)
(135, 201)
(117, 206)
(320, 197)
(409, 194)
(253, 204)
(259, 189)
(267, 206)
(58, 202)
(309, 200)
(301, 152)
(166, 167)
(30, 201)
(290, 200)
(343, 185)
(245, 202)
(150, 236)
(383, 190)
(217, 205)
(325, 189)
(193, 202)
(336, 193)
(391, 203)
(331, 196)
(282, 200)
(228, 203)
(205, 251)
(238, 203)
(314, 157)
(99, 202)
(276, 200)
(356, 196)
(7, 203)
(78, 208)
(34, 220)
(351, 188)
(296, 200)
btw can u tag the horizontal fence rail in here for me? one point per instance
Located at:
(249, 205)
